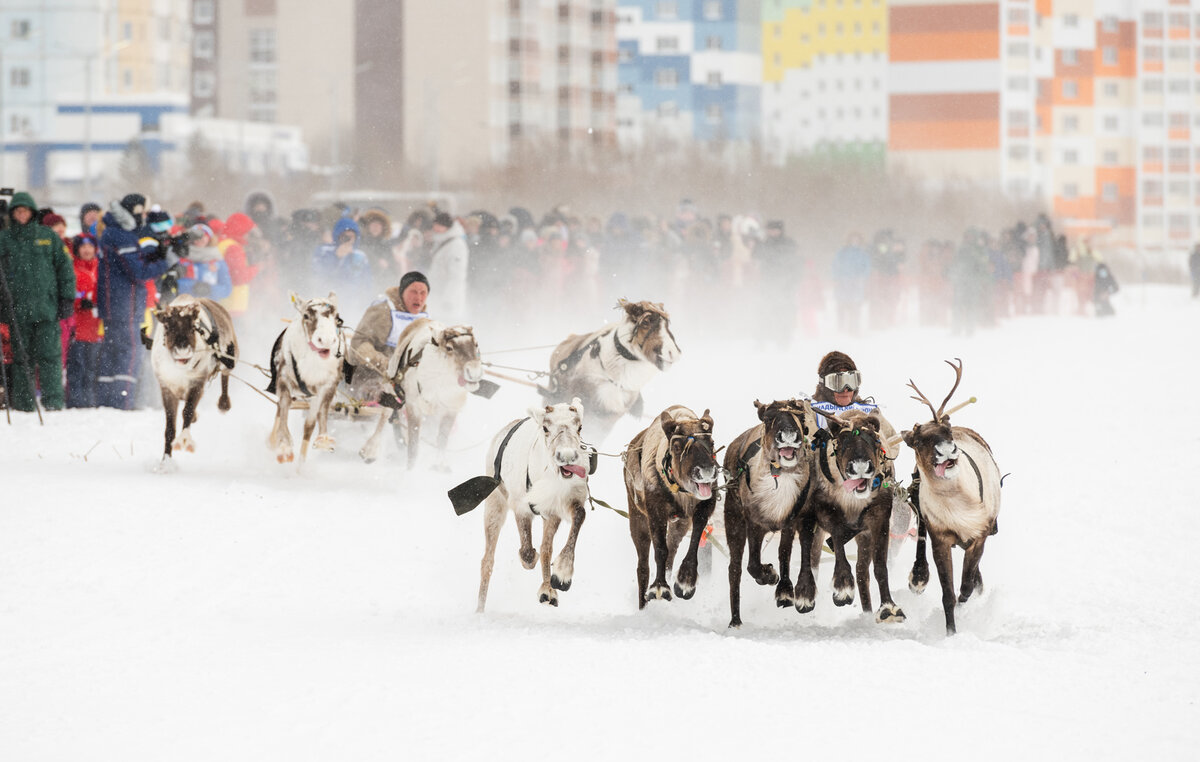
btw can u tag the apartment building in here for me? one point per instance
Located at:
(824, 79)
(492, 81)
(79, 79)
(689, 71)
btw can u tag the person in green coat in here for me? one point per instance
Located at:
(41, 285)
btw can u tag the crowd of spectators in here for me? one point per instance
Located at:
(90, 294)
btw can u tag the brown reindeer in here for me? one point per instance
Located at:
(193, 341)
(608, 368)
(959, 504)
(670, 480)
(769, 479)
(853, 501)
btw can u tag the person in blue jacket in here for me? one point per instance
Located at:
(343, 267)
(129, 256)
(203, 271)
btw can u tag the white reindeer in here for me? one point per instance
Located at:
(434, 368)
(306, 363)
(539, 467)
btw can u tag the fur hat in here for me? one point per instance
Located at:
(52, 219)
(410, 278)
(134, 203)
(835, 362)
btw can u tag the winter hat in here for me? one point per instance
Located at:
(199, 231)
(410, 278)
(216, 225)
(81, 239)
(835, 362)
(22, 198)
(159, 221)
(443, 219)
(134, 203)
(52, 219)
(88, 207)
(344, 224)
(237, 225)
(775, 225)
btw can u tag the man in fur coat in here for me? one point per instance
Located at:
(376, 335)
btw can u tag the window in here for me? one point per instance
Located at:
(1177, 187)
(1018, 84)
(1018, 118)
(1152, 20)
(712, 10)
(624, 55)
(666, 78)
(668, 109)
(714, 79)
(667, 44)
(1111, 123)
(1018, 153)
(1071, 123)
(1178, 86)
(262, 46)
(263, 94)
(1109, 55)
(127, 31)
(1018, 16)
(1108, 192)
(1110, 158)
(1152, 86)
(1178, 156)
(1152, 119)
(1110, 24)
(1070, 89)
(204, 44)
(1178, 53)
(1178, 121)
(204, 84)
(1111, 90)
(19, 29)
(127, 78)
(1070, 21)
(1070, 156)
(1070, 191)
(713, 42)
(712, 113)
(1018, 50)
(1070, 57)
(19, 124)
(1177, 20)
(18, 77)
(625, 88)
(668, 10)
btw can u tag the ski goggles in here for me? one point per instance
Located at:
(840, 382)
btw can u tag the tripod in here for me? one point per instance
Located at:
(18, 346)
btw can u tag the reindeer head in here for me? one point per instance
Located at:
(321, 322)
(183, 332)
(690, 461)
(562, 430)
(858, 451)
(933, 442)
(458, 346)
(651, 333)
(788, 426)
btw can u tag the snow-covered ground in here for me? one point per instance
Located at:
(237, 609)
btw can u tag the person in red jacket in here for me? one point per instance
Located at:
(233, 248)
(85, 327)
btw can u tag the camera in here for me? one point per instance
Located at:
(6, 195)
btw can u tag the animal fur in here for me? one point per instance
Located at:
(193, 341)
(608, 368)
(958, 499)
(542, 472)
(306, 363)
(853, 501)
(770, 469)
(434, 368)
(670, 481)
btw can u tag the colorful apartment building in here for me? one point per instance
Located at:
(689, 70)
(824, 75)
(1086, 105)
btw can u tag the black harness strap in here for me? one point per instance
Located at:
(824, 458)
(978, 475)
(622, 350)
(500, 453)
(300, 381)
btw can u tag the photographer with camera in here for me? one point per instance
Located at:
(130, 256)
(40, 290)
(201, 270)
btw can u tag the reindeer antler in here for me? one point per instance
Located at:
(922, 398)
(957, 380)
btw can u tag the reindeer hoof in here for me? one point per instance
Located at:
(658, 592)
(918, 579)
(528, 558)
(735, 623)
(889, 612)
(685, 592)
(767, 575)
(559, 584)
(324, 443)
(223, 404)
(366, 458)
(550, 598)
(784, 596)
(805, 605)
(843, 597)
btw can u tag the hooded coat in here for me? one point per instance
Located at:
(40, 277)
